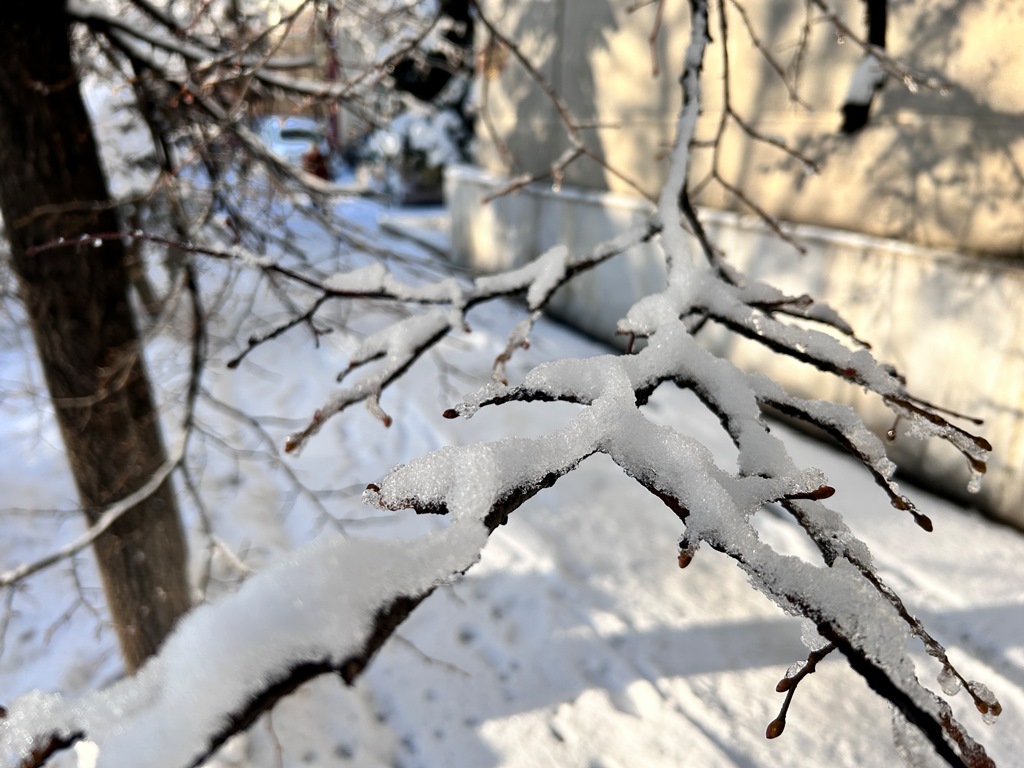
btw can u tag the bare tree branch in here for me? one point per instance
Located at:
(107, 517)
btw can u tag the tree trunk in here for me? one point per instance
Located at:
(52, 185)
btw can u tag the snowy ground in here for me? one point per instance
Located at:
(577, 641)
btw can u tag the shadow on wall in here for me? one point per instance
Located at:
(939, 167)
(526, 119)
(604, 75)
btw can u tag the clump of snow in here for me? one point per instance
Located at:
(377, 279)
(471, 403)
(650, 312)
(550, 271)
(810, 637)
(317, 605)
(369, 279)
(247, 258)
(400, 340)
(867, 78)
(88, 753)
(469, 480)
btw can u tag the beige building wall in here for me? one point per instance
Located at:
(940, 167)
(940, 173)
(951, 323)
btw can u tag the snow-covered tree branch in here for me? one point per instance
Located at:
(327, 608)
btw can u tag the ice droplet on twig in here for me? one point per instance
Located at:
(949, 682)
(985, 701)
(810, 637)
(974, 484)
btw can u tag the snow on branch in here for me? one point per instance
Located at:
(326, 608)
(329, 607)
(399, 346)
(842, 597)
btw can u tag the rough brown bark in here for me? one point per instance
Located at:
(52, 185)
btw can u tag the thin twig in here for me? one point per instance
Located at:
(106, 518)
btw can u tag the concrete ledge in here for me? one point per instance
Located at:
(952, 324)
(512, 230)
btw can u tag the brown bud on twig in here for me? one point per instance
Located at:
(822, 492)
(775, 728)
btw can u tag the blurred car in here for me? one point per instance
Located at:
(298, 141)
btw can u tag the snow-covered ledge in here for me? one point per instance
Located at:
(951, 323)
